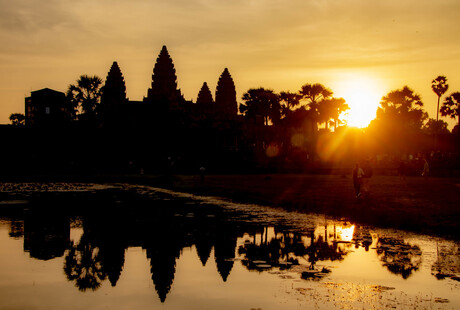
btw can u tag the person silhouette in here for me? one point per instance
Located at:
(426, 168)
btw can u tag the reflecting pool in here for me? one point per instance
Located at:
(138, 247)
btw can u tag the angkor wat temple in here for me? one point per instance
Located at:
(162, 132)
(164, 102)
(165, 131)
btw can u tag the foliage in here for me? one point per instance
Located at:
(261, 102)
(401, 109)
(17, 119)
(433, 127)
(314, 94)
(85, 96)
(289, 101)
(332, 108)
(83, 265)
(451, 106)
(439, 86)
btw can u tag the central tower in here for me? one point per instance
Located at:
(164, 91)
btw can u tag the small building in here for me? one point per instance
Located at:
(46, 107)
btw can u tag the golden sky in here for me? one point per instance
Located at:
(347, 45)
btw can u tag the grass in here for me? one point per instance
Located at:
(417, 204)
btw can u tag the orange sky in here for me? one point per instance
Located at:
(278, 44)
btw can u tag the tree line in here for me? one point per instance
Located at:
(401, 108)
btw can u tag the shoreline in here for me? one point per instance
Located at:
(428, 206)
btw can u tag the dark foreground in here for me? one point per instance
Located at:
(429, 206)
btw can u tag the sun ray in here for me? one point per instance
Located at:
(362, 94)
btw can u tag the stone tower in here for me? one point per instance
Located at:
(204, 96)
(114, 88)
(226, 104)
(164, 82)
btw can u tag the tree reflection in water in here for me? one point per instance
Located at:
(447, 263)
(83, 265)
(164, 227)
(285, 249)
(398, 256)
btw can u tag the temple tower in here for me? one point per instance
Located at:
(164, 82)
(114, 88)
(204, 96)
(226, 104)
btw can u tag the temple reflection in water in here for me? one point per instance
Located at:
(164, 227)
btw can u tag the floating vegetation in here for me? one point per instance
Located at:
(380, 288)
(441, 300)
(398, 256)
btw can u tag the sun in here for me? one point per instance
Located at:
(362, 96)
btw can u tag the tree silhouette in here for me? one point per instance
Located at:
(332, 108)
(261, 102)
(439, 86)
(289, 101)
(85, 97)
(451, 106)
(17, 119)
(433, 126)
(400, 109)
(314, 94)
(83, 265)
(338, 107)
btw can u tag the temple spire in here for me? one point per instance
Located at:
(226, 95)
(164, 81)
(114, 88)
(204, 96)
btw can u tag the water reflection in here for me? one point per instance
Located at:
(83, 265)
(164, 227)
(46, 234)
(398, 256)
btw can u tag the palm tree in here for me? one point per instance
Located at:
(314, 94)
(288, 102)
(17, 119)
(451, 106)
(336, 107)
(84, 266)
(85, 96)
(402, 109)
(261, 102)
(439, 86)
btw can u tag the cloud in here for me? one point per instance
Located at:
(32, 16)
(273, 41)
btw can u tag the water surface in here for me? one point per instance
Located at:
(126, 246)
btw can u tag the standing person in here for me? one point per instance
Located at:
(426, 168)
(357, 176)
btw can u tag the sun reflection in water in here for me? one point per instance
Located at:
(346, 233)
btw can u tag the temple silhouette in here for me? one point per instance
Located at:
(161, 132)
(164, 101)
(165, 133)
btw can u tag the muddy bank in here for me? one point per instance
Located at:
(416, 204)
